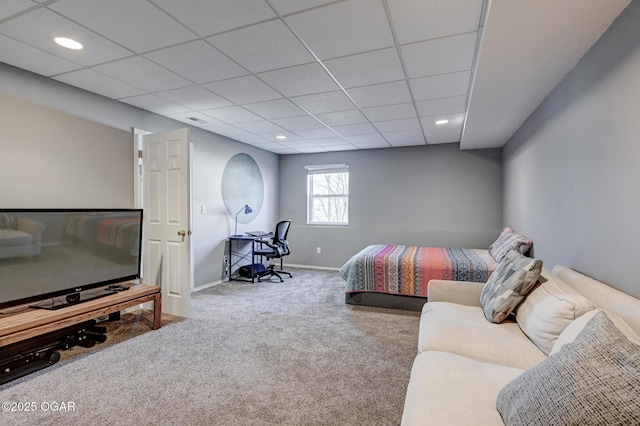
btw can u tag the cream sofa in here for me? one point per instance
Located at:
(464, 360)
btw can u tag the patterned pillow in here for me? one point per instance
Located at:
(593, 381)
(513, 278)
(508, 240)
(7, 221)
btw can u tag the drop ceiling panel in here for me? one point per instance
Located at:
(243, 90)
(197, 61)
(261, 126)
(300, 80)
(39, 27)
(96, 82)
(440, 86)
(342, 118)
(279, 108)
(144, 74)
(343, 28)
(11, 7)
(396, 92)
(405, 138)
(134, 24)
(262, 47)
(232, 115)
(324, 102)
(398, 125)
(195, 98)
(318, 133)
(286, 7)
(441, 56)
(379, 66)
(298, 123)
(441, 106)
(438, 134)
(155, 104)
(416, 20)
(206, 17)
(355, 129)
(390, 112)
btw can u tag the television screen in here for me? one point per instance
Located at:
(47, 254)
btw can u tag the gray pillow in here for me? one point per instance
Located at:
(513, 278)
(595, 380)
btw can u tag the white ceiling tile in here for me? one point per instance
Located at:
(262, 47)
(342, 118)
(278, 108)
(444, 55)
(253, 139)
(11, 7)
(142, 73)
(243, 90)
(344, 147)
(371, 140)
(343, 28)
(193, 118)
(445, 133)
(379, 66)
(335, 140)
(285, 7)
(372, 145)
(198, 61)
(311, 149)
(381, 94)
(416, 20)
(324, 102)
(405, 138)
(398, 125)
(195, 98)
(440, 86)
(224, 129)
(39, 27)
(284, 151)
(298, 123)
(272, 136)
(300, 80)
(31, 59)
(232, 115)
(96, 82)
(155, 104)
(441, 106)
(269, 145)
(355, 129)
(390, 112)
(207, 17)
(134, 24)
(321, 132)
(262, 126)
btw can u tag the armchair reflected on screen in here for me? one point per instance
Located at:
(276, 248)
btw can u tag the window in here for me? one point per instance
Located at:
(328, 194)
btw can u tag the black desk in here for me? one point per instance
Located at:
(237, 258)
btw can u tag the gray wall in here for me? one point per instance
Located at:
(64, 147)
(571, 173)
(428, 195)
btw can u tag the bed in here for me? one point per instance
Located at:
(118, 231)
(397, 276)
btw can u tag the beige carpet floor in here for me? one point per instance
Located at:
(267, 353)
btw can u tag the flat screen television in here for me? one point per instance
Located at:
(53, 257)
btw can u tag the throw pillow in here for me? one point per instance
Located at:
(508, 240)
(549, 309)
(7, 221)
(593, 381)
(513, 278)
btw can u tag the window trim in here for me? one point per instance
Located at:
(323, 170)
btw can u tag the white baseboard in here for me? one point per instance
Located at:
(209, 285)
(323, 268)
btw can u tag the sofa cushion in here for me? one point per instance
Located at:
(13, 237)
(570, 333)
(513, 278)
(449, 389)
(594, 380)
(7, 221)
(549, 309)
(463, 330)
(508, 240)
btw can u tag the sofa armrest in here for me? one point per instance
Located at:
(32, 227)
(460, 292)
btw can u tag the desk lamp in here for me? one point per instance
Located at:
(247, 210)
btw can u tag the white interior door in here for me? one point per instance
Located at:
(167, 211)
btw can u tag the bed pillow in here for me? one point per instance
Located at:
(591, 381)
(573, 330)
(513, 278)
(548, 310)
(508, 240)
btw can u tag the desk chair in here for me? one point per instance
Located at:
(277, 248)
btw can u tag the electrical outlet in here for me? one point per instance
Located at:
(203, 209)
(318, 250)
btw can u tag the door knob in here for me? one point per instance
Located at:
(182, 233)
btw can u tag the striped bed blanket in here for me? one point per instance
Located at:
(120, 231)
(406, 270)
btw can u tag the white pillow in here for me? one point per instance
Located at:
(569, 334)
(548, 310)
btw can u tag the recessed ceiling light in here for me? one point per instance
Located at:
(439, 122)
(281, 137)
(68, 43)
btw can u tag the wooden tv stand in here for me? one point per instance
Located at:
(29, 322)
